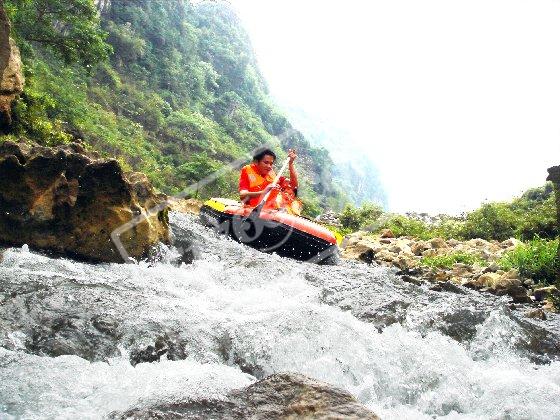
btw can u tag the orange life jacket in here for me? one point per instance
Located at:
(257, 182)
(284, 200)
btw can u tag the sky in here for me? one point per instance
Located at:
(456, 102)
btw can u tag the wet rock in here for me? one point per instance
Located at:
(447, 287)
(63, 200)
(461, 325)
(149, 354)
(413, 280)
(385, 314)
(542, 293)
(438, 275)
(519, 294)
(57, 335)
(536, 314)
(279, 396)
(473, 284)
(385, 241)
(405, 263)
(539, 345)
(105, 324)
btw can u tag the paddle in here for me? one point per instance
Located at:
(248, 228)
(257, 210)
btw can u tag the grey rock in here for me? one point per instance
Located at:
(279, 396)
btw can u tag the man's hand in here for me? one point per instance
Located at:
(292, 155)
(270, 187)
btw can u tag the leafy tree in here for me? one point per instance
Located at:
(68, 27)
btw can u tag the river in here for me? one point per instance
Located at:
(81, 340)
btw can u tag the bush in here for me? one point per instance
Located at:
(537, 219)
(535, 259)
(447, 261)
(355, 218)
(406, 226)
(491, 221)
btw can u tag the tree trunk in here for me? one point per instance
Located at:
(11, 82)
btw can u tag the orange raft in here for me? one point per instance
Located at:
(272, 231)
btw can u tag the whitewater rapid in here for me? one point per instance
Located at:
(236, 315)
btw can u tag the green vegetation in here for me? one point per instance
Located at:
(355, 218)
(530, 216)
(447, 261)
(406, 226)
(171, 89)
(535, 259)
(533, 215)
(69, 28)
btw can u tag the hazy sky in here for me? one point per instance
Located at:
(457, 102)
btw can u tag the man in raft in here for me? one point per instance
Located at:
(256, 180)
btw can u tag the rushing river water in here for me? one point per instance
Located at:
(82, 341)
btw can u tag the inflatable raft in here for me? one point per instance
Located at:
(272, 231)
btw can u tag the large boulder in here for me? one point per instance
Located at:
(279, 396)
(68, 201)
(11, 74)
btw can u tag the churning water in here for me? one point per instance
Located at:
(81, 341)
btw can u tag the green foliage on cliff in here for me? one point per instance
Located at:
(69, 28)
(179, 96)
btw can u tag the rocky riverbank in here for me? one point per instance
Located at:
(409, 255)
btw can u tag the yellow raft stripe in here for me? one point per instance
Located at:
(216, 205)
(338, 237)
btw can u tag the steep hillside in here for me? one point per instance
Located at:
(179, 96)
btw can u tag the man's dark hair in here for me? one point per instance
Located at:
(262, 153)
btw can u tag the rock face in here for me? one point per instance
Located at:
(64, 200)
(554, 176)
(279, 396)
(11, 75)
